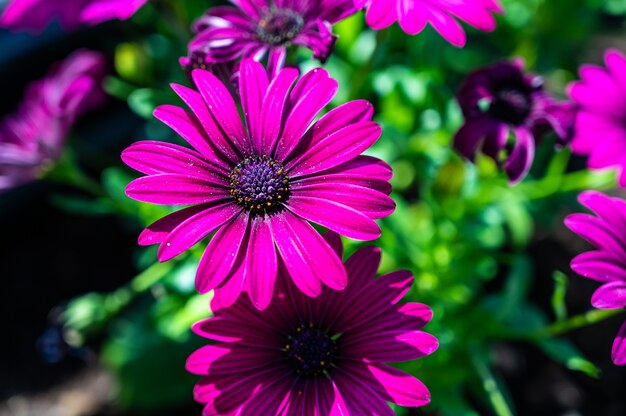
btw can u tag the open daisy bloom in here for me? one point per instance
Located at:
(508, 111)
(606, 231)
(600, 129)
(322, 356)
(413, 15)
(256, 28)
(37, 14)
(258, 185)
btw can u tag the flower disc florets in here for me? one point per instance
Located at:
(310, 351)
(512, 105)
(259, 184)
(279, 26)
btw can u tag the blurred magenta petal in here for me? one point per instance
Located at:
(503, 104)
(413, 15)
(33, 137)
(600, 128)
(35, 15)
(295, 357)
(260, 177)
(618, 353)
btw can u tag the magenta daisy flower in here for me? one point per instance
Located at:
(507, 111)
(606, 231)
(36, 14)
(33, 137)
(600, 128)
(316, 356)
(257, 185)
(413, 15)
(256, 28)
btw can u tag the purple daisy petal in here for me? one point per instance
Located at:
(219, 257)
(610, 296)
(262, 261)
(189, 232)
(176, 189)
(441, 14)
(599, 265)
(273, 108)
(618, 354)
(300, 245)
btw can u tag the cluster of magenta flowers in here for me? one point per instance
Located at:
(32, 138)
(35, 15)
(296, 330)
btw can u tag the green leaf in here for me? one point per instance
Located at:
(558, 296)
(565, 353)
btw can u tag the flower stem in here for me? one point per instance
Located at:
(575, 322)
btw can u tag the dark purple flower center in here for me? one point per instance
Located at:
(511, 105)
(310, 351)
(260, 185)
(279, 26)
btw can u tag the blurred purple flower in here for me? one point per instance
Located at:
(316, 356)
(258, 185)
(256, 28)
(606, 231)
(34, 136)
(509, 111)
(600, 127)
(413, 15)
(35, 15)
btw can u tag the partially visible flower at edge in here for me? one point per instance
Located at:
(508, 111)
(322, 356)
(606, 231)
(258, 184)
(413, 15)
(33, 136)
(35, 15)
(600, 127)
(258, 28)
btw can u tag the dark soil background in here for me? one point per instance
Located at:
(49, 256)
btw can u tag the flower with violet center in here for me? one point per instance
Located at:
(35, 15)
(256, 28)
(322, 356)
(606, 231)
(600, 127)
(413, 15)
(33, 137)
(257, 186)
(507, 111)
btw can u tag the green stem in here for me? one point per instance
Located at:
(500, 406)
(575, 322)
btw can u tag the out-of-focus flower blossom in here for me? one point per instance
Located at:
(256, 28)
(258, 184)
(35, 15)
(33, 137)
(508, 111)
(316, 356)
(413, 15)
(600, 127)
(606, 231)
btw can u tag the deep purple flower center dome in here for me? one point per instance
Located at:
(512, 105)
(310, 351)
(279, 26)
(260, 185)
